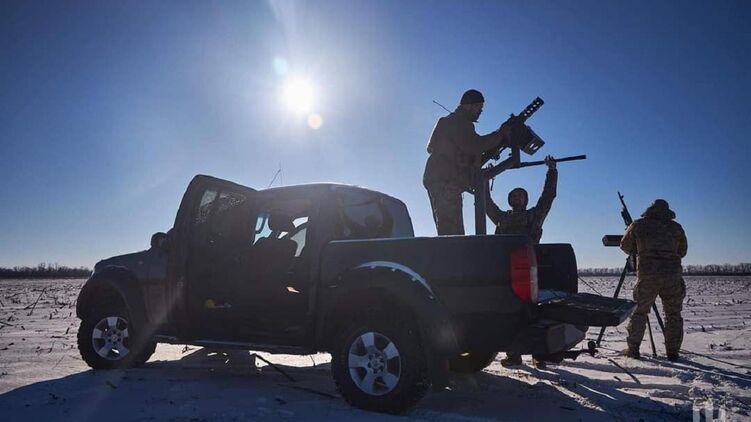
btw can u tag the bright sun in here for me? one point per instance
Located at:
(299, 95)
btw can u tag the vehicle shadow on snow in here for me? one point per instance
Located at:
(227, 385)
(608, 394)
(685, 369)
(491, 396)
(201, 385)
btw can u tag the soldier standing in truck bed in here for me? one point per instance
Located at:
(659, 243)
(520, 220)
(455, 153)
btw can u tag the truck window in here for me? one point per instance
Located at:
(229, 200)
(301, 231)
(204, 208)
(292, 213)
(364, 215)
(231, 219)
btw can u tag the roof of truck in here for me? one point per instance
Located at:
(293, 189)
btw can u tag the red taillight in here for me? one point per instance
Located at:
(524, 273)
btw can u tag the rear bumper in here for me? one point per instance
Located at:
(548, 337)
(556, 323)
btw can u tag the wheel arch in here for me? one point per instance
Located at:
(113, 284)
(391, 287)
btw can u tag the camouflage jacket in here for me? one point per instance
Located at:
(529, 221)
(455, 150)
(658, 242)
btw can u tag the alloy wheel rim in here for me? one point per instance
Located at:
(374, 363)
(110, 338)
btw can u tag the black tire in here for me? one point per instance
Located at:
(406, 370)
(109, 326)
(472, 362)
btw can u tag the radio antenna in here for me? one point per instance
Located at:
(441, 105)
(277, 174)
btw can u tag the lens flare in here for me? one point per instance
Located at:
(315, 121)
(281, 67)
(299, 95)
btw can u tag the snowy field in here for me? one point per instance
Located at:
(42, 376)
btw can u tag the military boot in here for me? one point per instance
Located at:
(631, 353)
(511, 360)
(539, 363)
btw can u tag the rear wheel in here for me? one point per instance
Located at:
(378, 364)
(107, 339)
(471, 362)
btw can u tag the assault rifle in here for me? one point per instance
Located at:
(522, 138)
(629, 267)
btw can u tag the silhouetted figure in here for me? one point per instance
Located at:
(520, 220)
(455, 151)
(659, 243)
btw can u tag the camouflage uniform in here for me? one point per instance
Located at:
(446, 202)
(529, 221)
(659, 243)
(455, 152)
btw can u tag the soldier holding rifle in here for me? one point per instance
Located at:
(659, 243)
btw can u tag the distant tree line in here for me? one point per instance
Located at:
(45, 270)
(743, 268)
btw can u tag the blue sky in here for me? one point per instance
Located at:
(109, 108)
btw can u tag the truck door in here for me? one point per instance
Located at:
(222, 235)
(249, 271)
(273, 291)
(191, 248)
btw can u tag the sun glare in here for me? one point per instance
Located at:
(299, 95)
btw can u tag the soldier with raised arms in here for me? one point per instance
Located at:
(520, 220)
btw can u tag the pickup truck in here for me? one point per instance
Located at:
(336, 268)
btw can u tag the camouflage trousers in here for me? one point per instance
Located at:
(446, 202)
(672, 290)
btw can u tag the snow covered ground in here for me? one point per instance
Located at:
(43, 377)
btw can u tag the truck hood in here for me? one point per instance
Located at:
(130, 261)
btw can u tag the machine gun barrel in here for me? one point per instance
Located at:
(557, 160)
(530, 109)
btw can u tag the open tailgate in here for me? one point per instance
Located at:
(583, 308)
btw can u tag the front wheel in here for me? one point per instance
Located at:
(378, 365)
(106, 340)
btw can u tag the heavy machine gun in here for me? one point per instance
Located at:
(522, 136)
(522, 139)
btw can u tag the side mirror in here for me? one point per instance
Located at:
(159, 241)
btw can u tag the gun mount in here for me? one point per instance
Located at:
(522, 139)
